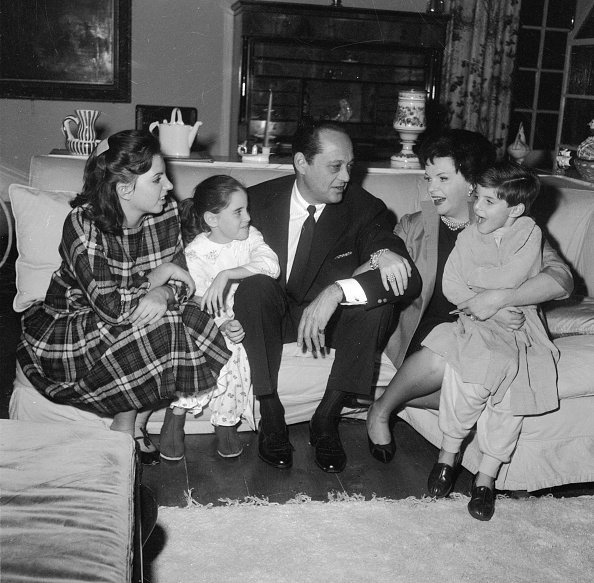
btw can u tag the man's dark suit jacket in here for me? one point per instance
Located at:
(346, 235)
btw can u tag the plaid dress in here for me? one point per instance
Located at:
(77, 346)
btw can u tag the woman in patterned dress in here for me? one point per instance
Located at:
(115, 333)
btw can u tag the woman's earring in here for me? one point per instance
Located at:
(470, 191)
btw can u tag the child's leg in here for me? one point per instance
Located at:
(459, 408)
(172, 434)
(498, 431)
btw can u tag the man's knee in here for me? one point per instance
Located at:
(258, 290)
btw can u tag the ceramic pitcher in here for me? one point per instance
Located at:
(85, 121)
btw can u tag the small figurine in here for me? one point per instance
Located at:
(562, 161)
(519, 149)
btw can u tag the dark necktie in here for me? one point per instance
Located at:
(302, 253)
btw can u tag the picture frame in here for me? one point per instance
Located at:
(71, 50)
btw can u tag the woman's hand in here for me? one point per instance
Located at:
(233, 330)
(150, 308)
(171, 271)
(213, 300)
(395, 271)
(510, 318)
(485, 304)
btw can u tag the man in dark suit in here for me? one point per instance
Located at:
(322, 232)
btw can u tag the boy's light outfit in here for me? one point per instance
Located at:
(508, 374)
(233, 397)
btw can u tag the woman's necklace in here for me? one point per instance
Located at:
(454, 225)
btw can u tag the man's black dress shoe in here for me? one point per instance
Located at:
(382, 453)
(482, 502)
(442, 478)
(329, 453)
(275, 449)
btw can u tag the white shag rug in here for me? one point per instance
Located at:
(350, 540)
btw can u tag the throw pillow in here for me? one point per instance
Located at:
(571, 317)
(39, 217)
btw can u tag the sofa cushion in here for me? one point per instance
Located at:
(574, 316)
(39, 217)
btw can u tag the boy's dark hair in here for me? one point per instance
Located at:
(307, 137)
(212, 195)
(513, 183)
(129, 154)
(470, 151)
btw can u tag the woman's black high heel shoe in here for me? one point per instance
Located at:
(382, 453)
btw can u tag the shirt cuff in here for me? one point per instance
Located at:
(354, 295)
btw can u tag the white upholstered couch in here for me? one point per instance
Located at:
(554, 449)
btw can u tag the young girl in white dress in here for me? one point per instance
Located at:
(221, 249)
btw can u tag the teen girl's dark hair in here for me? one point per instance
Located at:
(124, 157)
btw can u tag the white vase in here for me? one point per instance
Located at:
(409, 122)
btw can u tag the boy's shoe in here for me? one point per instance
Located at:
(172, 436)
(228, 442)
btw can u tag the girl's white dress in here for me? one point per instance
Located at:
(233, 397)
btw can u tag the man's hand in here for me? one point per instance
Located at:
(484, 304)
(395, 271)
(312, 327)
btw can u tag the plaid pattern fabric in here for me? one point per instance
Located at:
(78, 347)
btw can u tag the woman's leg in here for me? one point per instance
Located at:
(141, 434)
(419, 376)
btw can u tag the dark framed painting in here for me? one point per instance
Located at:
(74, 50)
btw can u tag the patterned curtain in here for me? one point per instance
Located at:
(478, 65)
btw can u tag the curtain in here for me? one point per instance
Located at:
(478, 65)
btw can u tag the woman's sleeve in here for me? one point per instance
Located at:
(556, 268)
(262, 258)
(83, 251)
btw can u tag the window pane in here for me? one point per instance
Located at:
(545, 131)
(523, 89)
(553, 56)
(560, 14)
(549, 92)
(577, 115)
(581, 79)
(528, 44)
(531, 12)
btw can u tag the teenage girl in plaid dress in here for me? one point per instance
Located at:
(115, 333)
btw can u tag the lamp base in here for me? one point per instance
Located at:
(405, 158)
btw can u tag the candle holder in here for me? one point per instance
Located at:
(409, 122)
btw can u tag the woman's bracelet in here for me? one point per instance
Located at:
(374, 258)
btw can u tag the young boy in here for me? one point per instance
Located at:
(497, 370)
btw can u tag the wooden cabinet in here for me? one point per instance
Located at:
(331, 62)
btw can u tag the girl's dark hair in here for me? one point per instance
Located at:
(513, 183)
(212, 195)
(470, 151)
(307, 137)
(129, 154)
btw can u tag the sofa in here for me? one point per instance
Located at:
(554, 449)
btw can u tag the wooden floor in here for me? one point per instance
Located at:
(212, 479)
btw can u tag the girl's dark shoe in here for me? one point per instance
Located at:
(443, 477)
(172, 436)
(382, 453)
(482, 502)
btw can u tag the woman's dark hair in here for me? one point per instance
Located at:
(211, 195)
(513, 183)
(127, 155)
(470, 151)
(307, 137)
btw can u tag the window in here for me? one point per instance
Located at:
(538, 79)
